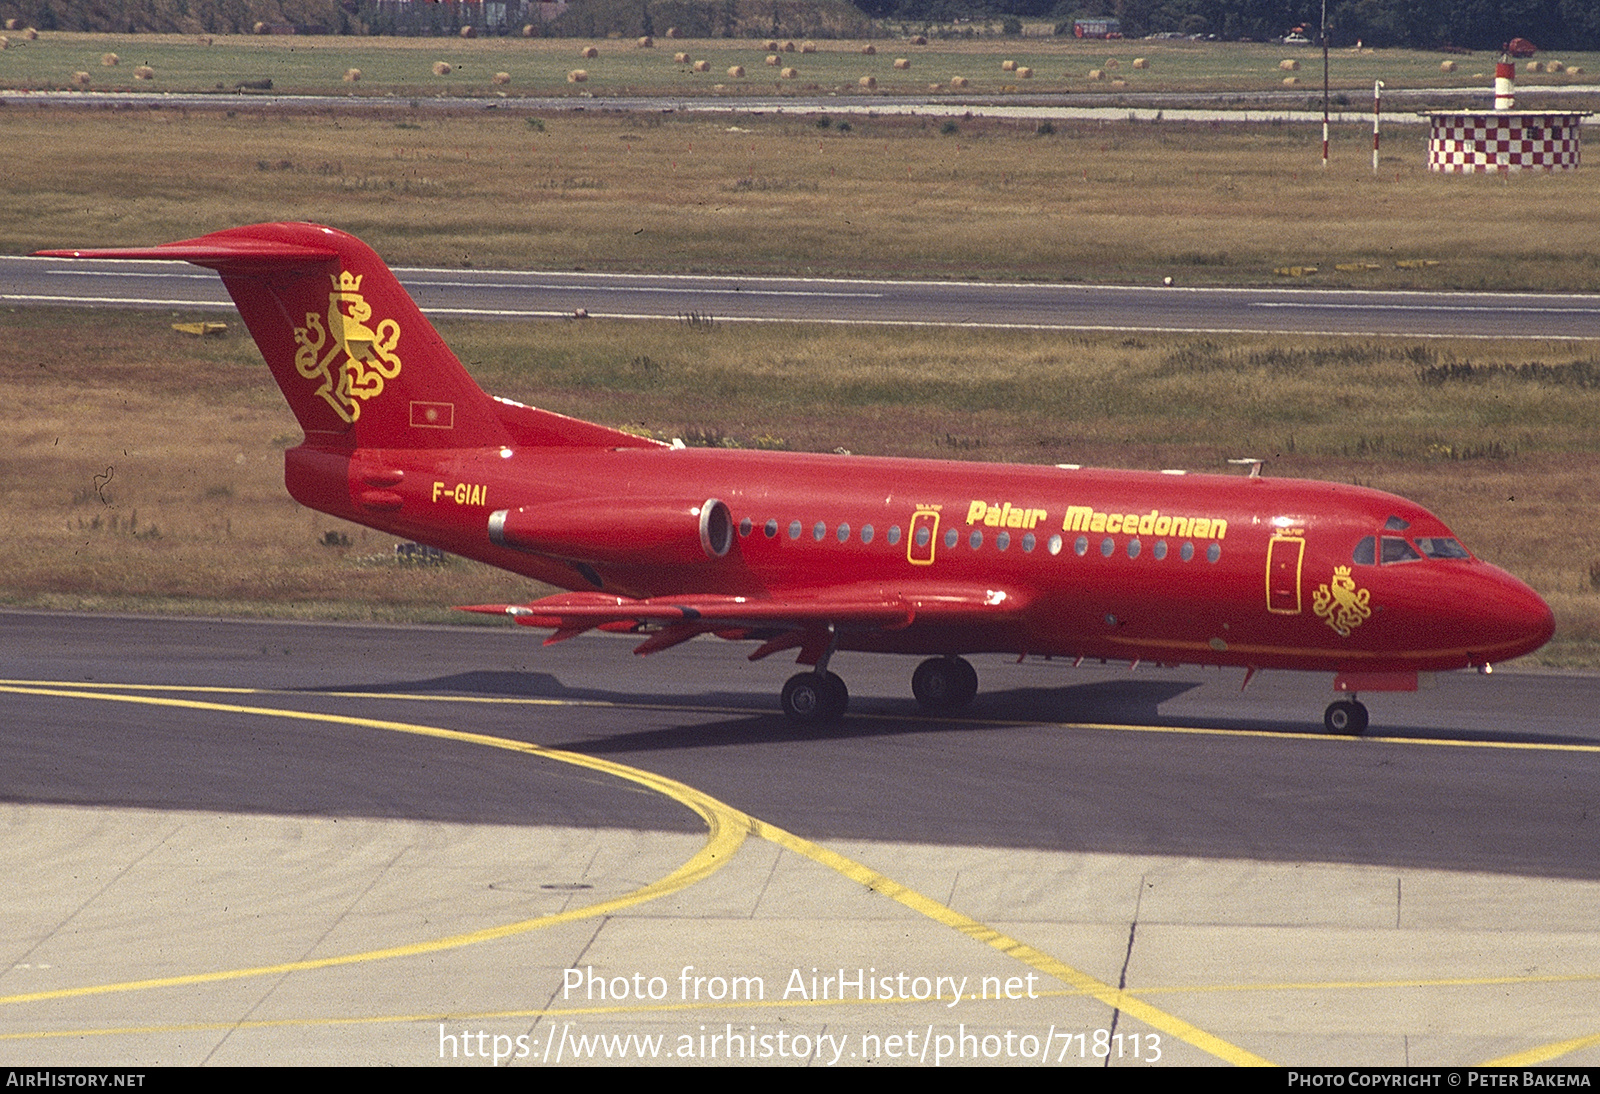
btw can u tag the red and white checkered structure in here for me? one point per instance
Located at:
(1510, 140)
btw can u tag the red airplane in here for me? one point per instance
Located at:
(821, 553)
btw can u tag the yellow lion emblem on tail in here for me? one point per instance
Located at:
(351, 358)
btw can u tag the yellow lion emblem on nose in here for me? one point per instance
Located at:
(1340, 604)
(350, 358)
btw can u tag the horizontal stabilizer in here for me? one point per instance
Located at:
(214, 252)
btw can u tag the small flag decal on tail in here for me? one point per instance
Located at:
(433, 415)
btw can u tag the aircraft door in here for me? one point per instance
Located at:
(1285, 554)
(924, 537)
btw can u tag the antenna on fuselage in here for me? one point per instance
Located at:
(1253, 463)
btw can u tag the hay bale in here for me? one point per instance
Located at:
(736, 71)
(80, 79)
(588, 53)
(1096, 74)
(672, 32)
(1554, 66)
(869, 50)
(1447, 66)
(1112, 62)
(352, 75)
(578, 76)
(30, 35)
(469, 32)
(919, 40)
(789, 73)
(702, 66)
(771, 45)
(1575, 70)
(935, 87)
(258, 27)
(868, 83)
(805, 47)
(901, 63)
(203, 40)
(1024, 73)
(1289, 64)
(500, 78)
(144, 72)
(110, 60)
(12, 23)
(1291, 81)
(1533, 66)
(772, 59)
(680, 58)
(5, 43)
(1141, 62)
(529, 30)
(958, 83)
(441, 68)
(647, 42)
(1008, 66)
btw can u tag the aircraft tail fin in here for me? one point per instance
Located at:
(358, 362)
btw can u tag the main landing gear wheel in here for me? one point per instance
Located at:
(1347, 716)
(944, 683)
(815, 698)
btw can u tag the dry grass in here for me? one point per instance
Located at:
(401, 66)
(1096, 202)
(143, 469)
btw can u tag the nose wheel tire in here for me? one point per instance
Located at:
(815, 698)
(944, 683)
(1346, 717)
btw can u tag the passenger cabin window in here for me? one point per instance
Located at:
(1396, 549)
(1366, 552)
(1441, 547)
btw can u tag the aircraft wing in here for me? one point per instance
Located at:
(867, 607)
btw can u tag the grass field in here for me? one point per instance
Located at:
(404, 66)
(142, 469)
(1112, 202)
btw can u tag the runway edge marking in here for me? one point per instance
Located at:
(728, 827)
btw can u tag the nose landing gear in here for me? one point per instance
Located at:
(1347, 717)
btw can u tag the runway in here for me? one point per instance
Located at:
(499, 294)
(254, 843)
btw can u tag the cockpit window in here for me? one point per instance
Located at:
(1441, 547)
(1366, 552)
(1396, 549)
(1395, 524)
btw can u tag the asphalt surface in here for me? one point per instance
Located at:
(250, 843)
(1466, 777)
(553, 294)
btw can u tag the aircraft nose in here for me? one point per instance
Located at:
(1510, 620)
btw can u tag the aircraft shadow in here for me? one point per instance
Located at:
(1112, 702)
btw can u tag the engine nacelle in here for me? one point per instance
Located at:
(638, 532)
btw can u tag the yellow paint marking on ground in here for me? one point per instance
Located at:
(1110, 727)
(1544, 1053)
(1112, 997)
(728, 829)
